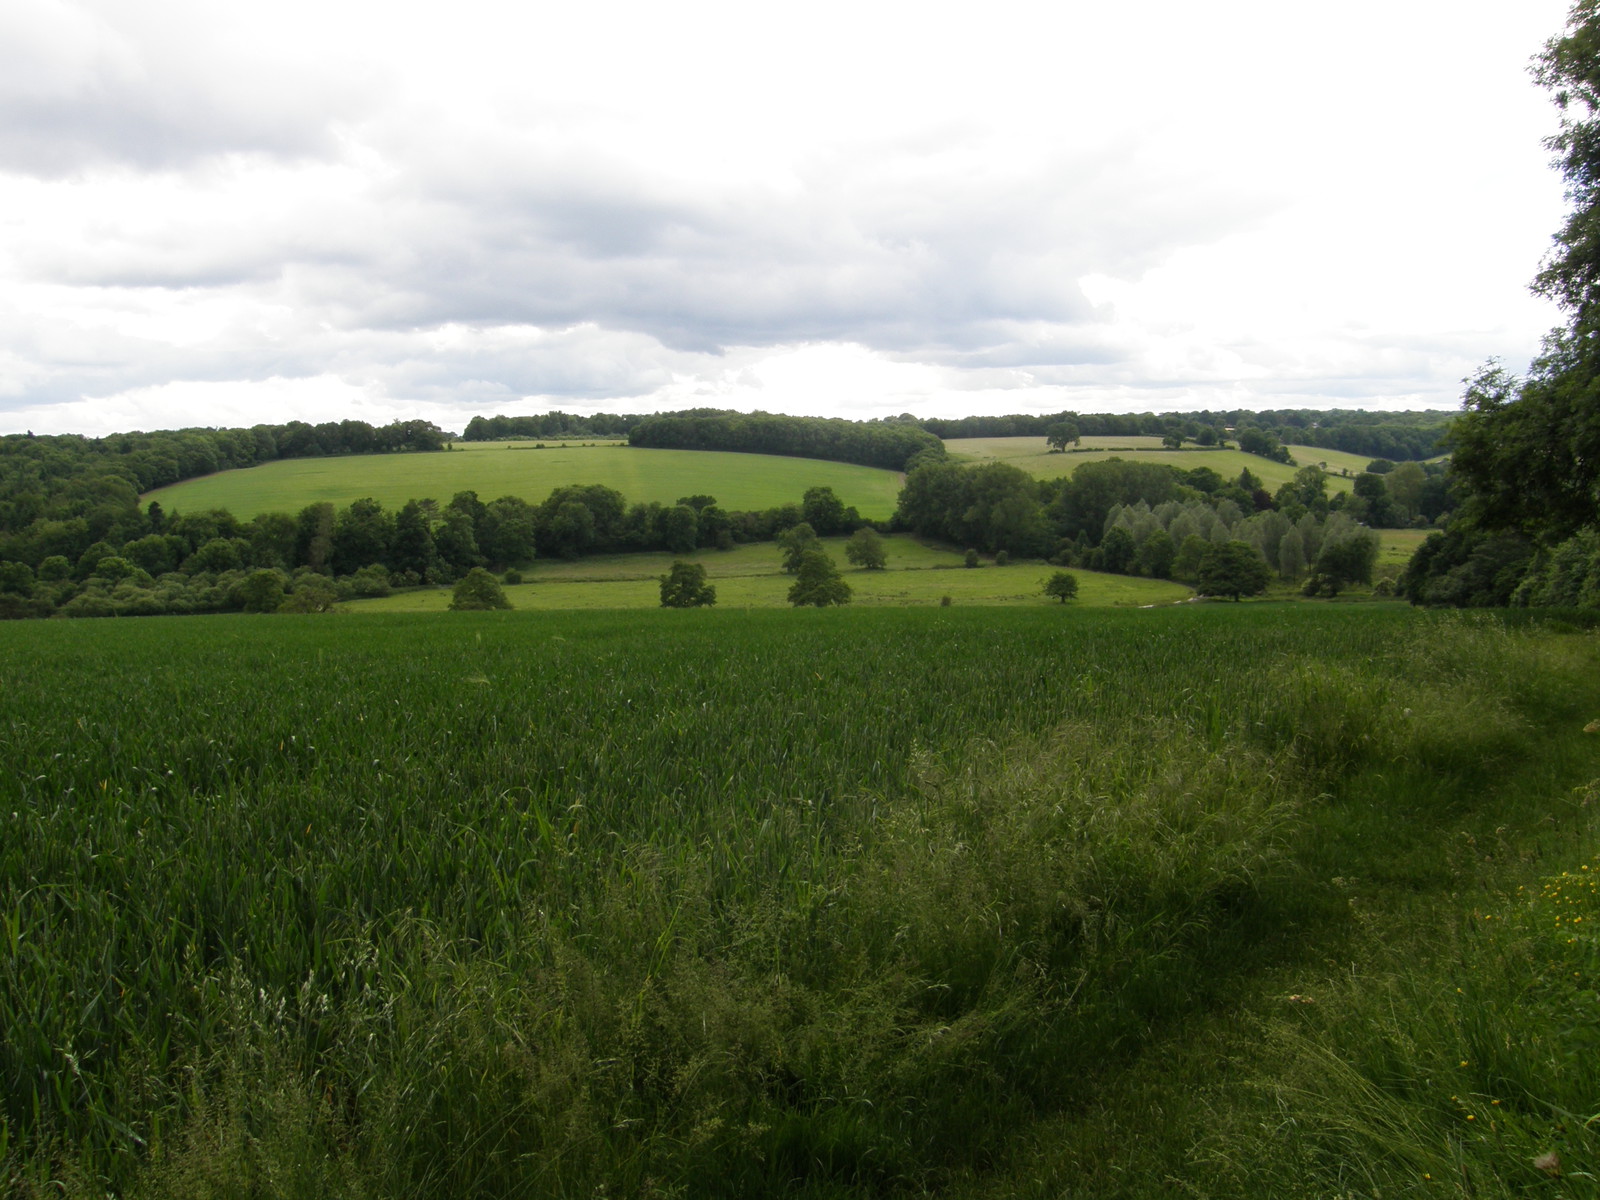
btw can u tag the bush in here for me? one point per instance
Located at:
(478, 592)
(513, 577)
(971, 559)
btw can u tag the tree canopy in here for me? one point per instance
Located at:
(684, 586)
(818, 582)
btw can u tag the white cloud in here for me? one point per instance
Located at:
(860, 208)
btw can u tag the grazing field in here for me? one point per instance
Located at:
(751, 577)
(1396, 546)
(493, 469)
(1033, 455)
(1335, 462)
(840, 903)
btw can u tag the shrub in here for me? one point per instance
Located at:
(477, 592)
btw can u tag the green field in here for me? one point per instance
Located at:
(984, 902)
(1035, 456)
(740, 482)
(1396, 546)
(750, 577)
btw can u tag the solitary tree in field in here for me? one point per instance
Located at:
(865, 549)
(479, 590)
(818, 581)
(1063, 585)
(1061, 434)
(794, 542)
(685, 586)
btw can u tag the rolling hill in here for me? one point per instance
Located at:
(492, 469)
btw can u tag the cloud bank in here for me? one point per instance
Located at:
(210, 216)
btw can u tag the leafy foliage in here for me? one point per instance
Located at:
(890, 444)
(865, 549)
(685, 586)
(479, 591)
(1232, 570)
(817, 581)
(1063, 585)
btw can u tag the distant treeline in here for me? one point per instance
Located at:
(891, 441)
(65, 476)
(1399, 437)
(549, 425)
(888, 444)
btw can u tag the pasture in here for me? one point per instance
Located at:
(861, 902)
(1033, 455)
(493, 469)
(749, 576)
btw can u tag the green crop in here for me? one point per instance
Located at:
(732, 901)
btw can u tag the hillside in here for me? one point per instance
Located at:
(738, 481)
(1034, 456)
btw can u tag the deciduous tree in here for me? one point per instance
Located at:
(865, 549)
(685, 586)
(818, 581)
(1063, 585)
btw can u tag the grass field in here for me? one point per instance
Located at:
(1396, 546)
(493, 469)
(1262, 899)
(750, 577)
(1034, 456)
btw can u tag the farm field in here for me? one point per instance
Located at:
(750, 577)
(1031, 454)
(861, 902)
(1396, 546)
(493, 469)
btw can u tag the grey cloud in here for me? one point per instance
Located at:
(554, 242)
(155, 91)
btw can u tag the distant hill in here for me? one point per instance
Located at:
(1033, 455)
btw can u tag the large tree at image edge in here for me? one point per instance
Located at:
(1526, 454)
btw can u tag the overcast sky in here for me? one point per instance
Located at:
(214, 213)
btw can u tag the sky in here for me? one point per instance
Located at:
(215, 213)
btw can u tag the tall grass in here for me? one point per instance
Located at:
(661, 903)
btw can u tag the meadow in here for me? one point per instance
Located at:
(750, 576)
(740, 482)
(979, 901)
(1033, 455)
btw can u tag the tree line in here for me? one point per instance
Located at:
(549, 425)
(1400, 436)
(148, 562)
(892, 445)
